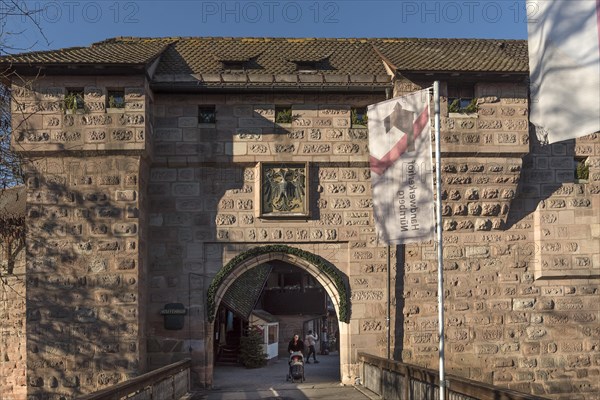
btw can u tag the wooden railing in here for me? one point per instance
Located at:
(167, 383)
(396, 380)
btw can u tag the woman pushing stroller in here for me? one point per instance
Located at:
(295, 348)
(296, 345)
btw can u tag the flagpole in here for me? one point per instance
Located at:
(440, 252)
(388, 95)
(389, 285)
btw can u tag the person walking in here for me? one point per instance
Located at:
(310, 340)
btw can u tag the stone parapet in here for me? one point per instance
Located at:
(43, 124)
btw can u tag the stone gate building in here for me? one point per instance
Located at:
(161, 171)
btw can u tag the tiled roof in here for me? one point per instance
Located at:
(455, 55)
(243, 294)
(278, 56)
(264, 315)
(111, 51)
(271, 55)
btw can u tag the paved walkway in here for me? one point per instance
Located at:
(322, 382)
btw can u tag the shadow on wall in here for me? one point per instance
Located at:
(544, 170)
(82, 274)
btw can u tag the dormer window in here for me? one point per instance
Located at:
(307, 66)
(234, 65)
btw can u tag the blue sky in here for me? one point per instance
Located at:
(79, 23)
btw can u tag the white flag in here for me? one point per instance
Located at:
(401, 174)
(564, 68)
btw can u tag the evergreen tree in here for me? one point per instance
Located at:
(251, 354)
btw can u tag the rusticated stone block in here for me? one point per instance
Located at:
(125, 195)
(125, 229)
(555, 387)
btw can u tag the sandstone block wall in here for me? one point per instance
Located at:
(205, 196)
(86, 183)
(204, 212)
(41, 124)
(520, 263)
(114, 238)
(13, 357)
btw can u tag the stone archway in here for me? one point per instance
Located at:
(331, 279)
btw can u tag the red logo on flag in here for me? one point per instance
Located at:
(402, 120)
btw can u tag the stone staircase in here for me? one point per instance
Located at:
(228, 355)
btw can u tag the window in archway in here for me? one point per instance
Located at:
(273, 333)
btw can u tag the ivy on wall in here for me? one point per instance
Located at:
(323, 265)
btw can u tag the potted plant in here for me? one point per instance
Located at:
(283, 115)
(73, 102)
(358, 118)
(582, 172)
(116, 102)
(458, 107)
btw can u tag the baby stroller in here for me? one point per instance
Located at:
(296, 367)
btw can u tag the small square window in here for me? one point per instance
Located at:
(283, 115)
(461, 98)
(358, 116)
(74, 99)
(115, 99)
(582, 169)
(207, 114)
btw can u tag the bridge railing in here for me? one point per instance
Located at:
(167, 383)
(396, 380)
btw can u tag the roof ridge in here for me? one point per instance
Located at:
(123, 39)
(449, 39)
(36, 52)
(133, 39)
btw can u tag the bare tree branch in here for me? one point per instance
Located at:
(12, 226)
(11, 10)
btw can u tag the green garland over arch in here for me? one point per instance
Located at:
(323, 265)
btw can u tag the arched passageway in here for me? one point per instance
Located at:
(322, 276)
